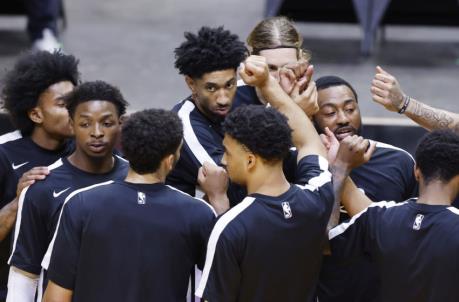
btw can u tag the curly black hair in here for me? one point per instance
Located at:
(32, 74)
(148, 136)
(97, 90)
(212, 49)
(437, 155)
(264, 131)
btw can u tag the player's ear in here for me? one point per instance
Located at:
(190, 83)
(251, 161)
(417, 173)
(169, 162)
(36, 115)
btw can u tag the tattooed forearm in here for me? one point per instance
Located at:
(432, 118)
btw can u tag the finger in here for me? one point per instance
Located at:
(380, 92)
(378, 99)
(325, 141)
(384, 78)
(309, 72)
(39, 170)
(35, 176)
(381, 85)
(371, 149)
(329, 133)
(201, 175)
(380, 70)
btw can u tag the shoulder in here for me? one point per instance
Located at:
(186, 200)
(389, 150)
(233, 218)
(10, 136)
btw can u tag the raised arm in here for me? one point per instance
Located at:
(352, 152)
(386, 91)
(255, 72)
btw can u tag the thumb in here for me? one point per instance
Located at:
(309, 72)
(380, 70)
(371, 149)
(325, 140)
(328, 133)
(243, 73)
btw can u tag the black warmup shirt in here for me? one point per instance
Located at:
(389, 175)
(17, 157)
(270, 248)
(203, 141)
(130, 242)
(40, 206)
(415, 247)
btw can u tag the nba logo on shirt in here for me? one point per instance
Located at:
(417, 222)
(141, 198)
(287, 210)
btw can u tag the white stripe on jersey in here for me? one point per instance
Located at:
(224, 220)
(47, 257)
(341, 228)
(316, 182)
(10, 136)
(387, 146)
(17, 229)
(190, 137)
(201, 200)
(454, 210)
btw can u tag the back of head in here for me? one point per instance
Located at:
(264, 131)
(32, 74)
(212, 49)
(437, 156)
(149, 136)
(276, 32)
(332, 81)
(95, 91)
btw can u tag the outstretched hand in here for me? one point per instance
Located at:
(354, 151)
(385, 90)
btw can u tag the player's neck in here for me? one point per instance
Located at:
(92, 164)
(149, 178)
(437, 193)
(43, 139)
(268, 180)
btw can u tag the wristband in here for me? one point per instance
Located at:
(406, 102)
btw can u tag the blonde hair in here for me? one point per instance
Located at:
(276, 32)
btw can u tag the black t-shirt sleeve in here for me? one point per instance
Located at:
(224, 277)
(185, 173)
(32, 238)
(62, 269)
(314, 178)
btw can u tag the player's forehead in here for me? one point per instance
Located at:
(96, 108)
(219, 77)
(279, 57)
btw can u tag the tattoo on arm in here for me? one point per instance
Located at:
(433, 118)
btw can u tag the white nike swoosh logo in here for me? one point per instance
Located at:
(55, 195)
(15, 167)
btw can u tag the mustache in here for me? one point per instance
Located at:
(345, 129)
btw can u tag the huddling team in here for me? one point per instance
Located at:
(263, 183)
